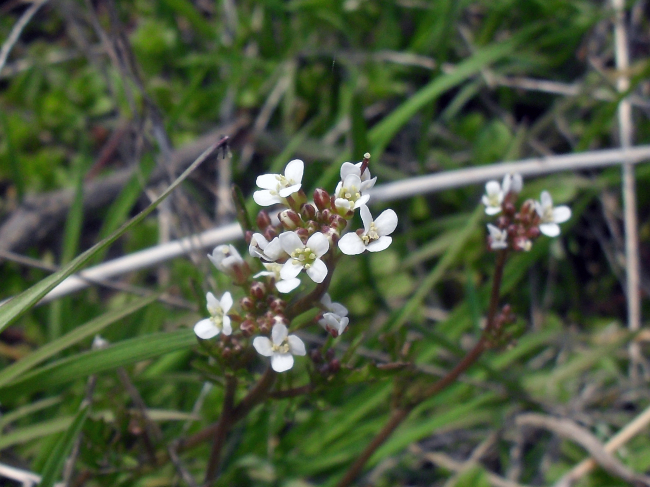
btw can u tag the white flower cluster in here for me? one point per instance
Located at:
(514, 228)
(304, 240)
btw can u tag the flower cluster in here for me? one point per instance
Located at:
(306, 238)
(517, 229)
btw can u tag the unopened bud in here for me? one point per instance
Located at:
(247, 328)
(263, 220)
(308, 211)
(338, 222)
(522, 243)
(334, 366)
(533, 233)
(303, 233)
(270, 233)
(315, 356)
(277, 305)
(322, 199)
(258, 290)
(290, 219)
(247, 304)
(325, 215)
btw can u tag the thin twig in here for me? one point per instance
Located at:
(223, 426)
(8, 45)
(629, 186)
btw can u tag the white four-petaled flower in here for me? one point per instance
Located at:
(283, 285)
(366, 181)
(375, 235)
(219, 321)
(331, 307)
(263, 249)
(550, 216)
(493, 197)
(281, 347)
(498, 237)
(333, 323)
(226, 258)
(349, 192)
(276, 187)
(304, 256)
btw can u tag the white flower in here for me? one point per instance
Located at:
(375, 236)
(226, 258)
(336, 308)
(219, 321)
(304, 256)
(550, 216)
(283, 285)
(493, 198)
(281, 348)
(263, 249)
(366, 181)
(498, 237)
(348, 194)
(333, 323)
(275, 187)
(512, 183)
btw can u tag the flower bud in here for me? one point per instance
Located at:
(316, 356)
(290, 219)
(338, 222)
(322, 199)
(227, 260)
(312, 227)
(246, 304)
(263, 220)
(303, 233)
(258, 290)
(522, 243)
(533, 233)
(277, 305)
(270, 233)
(308, 211)
(334, 366)
(247, 328)
(325, 215)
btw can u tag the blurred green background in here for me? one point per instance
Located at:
(97, 89)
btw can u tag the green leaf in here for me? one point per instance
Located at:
(120, 354)
(18, 305)
(57, 457)
(34, 431)
(47, 351)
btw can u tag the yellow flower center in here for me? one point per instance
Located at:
(371, 236)
(303, 257)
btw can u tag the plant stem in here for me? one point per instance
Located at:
(224, 424)
(400, 414)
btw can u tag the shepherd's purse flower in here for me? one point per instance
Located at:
(304, 256)
(375, 235)
(281, 347)
(550, 216)
(276, 187)
(219, 321)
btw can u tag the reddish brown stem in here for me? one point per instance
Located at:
(400, 414)
(223, 426)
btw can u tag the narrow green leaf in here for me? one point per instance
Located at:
(82, 365)
(75, 336)
(28, 409)
(18, 305)
(57, 457)
(34, 431)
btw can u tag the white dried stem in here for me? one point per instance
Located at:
(8, 45)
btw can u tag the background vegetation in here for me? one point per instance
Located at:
(94, 89)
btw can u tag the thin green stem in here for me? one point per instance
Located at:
(223, 426)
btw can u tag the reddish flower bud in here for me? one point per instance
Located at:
(247, 328)
(533, 233)
(290, 219)
(258, 290)
(308, 211)
(322, 199)
(270, 233)
(263, 220)
(303, 233)
(247, 304)
(325, 215)
(315, 356)
(338, 222)
(334, 366)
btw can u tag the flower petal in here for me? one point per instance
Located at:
(549, 229)
(226, 326)
(273, 250)
(547, 201)
(351, 244)
(382, 243)
(561, 214)
(281, 362)
(267, 181)
(263, 346)
(361, 201)
(290, 241)
(317, 271)
(294, 171)
(492, 210)
(205, 329)
(213, 304)
(386, 222)
(318, 243)
(278, 333)
(287, 285)
(349, 168)
(296, 345)
(491, 188)
(265, 198)
(226, 302)
(289, 190)
(290, 270)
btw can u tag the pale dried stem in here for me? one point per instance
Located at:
(8, 45)
(629, 186)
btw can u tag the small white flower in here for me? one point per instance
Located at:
(219, 321)
(333, 323)
(366, 181)
(375, 236)
(336, 308)
(348, 194)
(263, 249)
(512, 183)
(550, 216)
(498, 237)
(275, 187)
(304, 256)
(226, 258)
(283, 285)
(281, 348)
(493, 198)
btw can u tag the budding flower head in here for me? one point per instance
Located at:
(276, 187)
